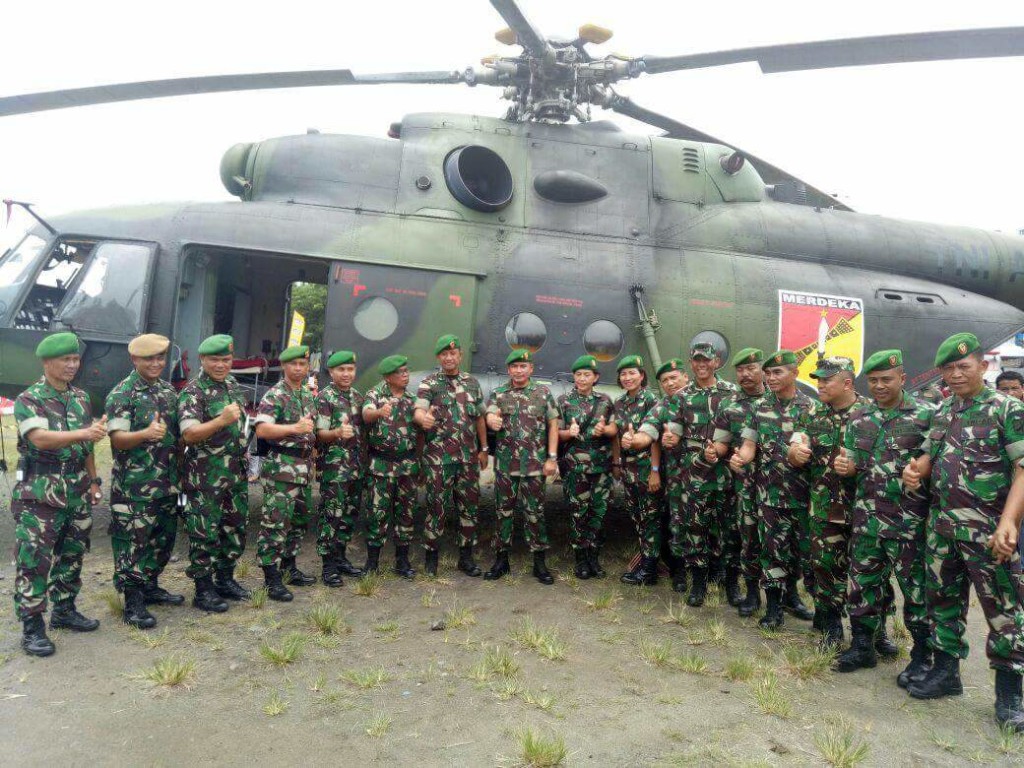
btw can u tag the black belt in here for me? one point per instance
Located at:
(35, 466)
(301, 453)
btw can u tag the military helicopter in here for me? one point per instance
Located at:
(543, 228)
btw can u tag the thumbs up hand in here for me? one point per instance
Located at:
(156, 430)
(429, 418)
(574, 428)
(494, 422)
(912, 475)
(598, 430)
(844, 465)
(736, 463)
(385, 410)
(627, 438)
(710, 454)
(303, 426)
(669, 439)
(346, 431)
(97, 430)
(800, 452)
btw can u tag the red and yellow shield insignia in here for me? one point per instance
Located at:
(809, 321)
(962, 347)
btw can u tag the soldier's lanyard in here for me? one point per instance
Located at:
(587, 414)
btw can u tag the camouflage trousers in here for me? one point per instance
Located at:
(953, 566)
(587, 495)
(750, 536)
(392, 504)
(727, 544)
(454, 488)
(142, 538)
(785, 546)
(215, 522)
(700, 526)
(340, 504)
(873, 561)
(50, 543)
(525, 492)
(645, 511)
(284, 521)
(830, 560)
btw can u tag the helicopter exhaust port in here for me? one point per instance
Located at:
(478, 178)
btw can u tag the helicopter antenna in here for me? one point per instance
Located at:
(28, 208)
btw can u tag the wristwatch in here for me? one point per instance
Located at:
(96, 481)
(552, 456)
(654, 468)
(484, 449)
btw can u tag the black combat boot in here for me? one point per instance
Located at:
(752, 601)
(699, 590)
(885, 647)
(732, 586)
(206, 598)
(679, 581)
(792, 602)
(430, 559)
(716, 570)
(1009, 708)
(646, 573)
(276, 590)
(154, 594)
(500, 567)
(65, 616)
(33, 637)
(594, 559)
(832, 637)
(296, 578)
(372, 559)
(135, 613)
(540, 570)
(920, 658)
(402, 566)
(582, 564)
(943, 679)
(860, 654)
(345, 567)
(226, 586)
(466, 562)
(773, 618)
(329, 574)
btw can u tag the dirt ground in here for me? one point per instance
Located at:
(624, 676)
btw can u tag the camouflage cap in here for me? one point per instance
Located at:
(781, 357)
(585, 362)
(341, 357)
(57, 345)
(294, 352)
(519, 356)
(830, 366)
(390, 364)
(703, 349)
(631, 361)
(448, 341)
(219, 344)
(956, 347)
(675, 364)
(883, 360)
(148, 344)
(748, 355)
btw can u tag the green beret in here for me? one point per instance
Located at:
(748, 355)
(519, 356)
(631, 361)
(782, 357)
(956, 347)
(883, 360)
(703, 349)
(221, 344)
(675, 364)
(448, 341)
(585, 362)
(390, 364)
(341, 357)
(830, 366)
(57, 345)
(294, 352)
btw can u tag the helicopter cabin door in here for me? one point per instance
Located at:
(379, 310)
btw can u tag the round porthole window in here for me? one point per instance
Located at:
(603, 340)
(526, 331)
(717, 340)
(376, 318)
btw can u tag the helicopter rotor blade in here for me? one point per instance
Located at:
(527, 35)
(857, 51)
(771, 174)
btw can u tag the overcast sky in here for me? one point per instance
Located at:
(930, 141)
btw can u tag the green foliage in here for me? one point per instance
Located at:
(310, 300)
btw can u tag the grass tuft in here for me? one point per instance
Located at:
(605, 600)
(495, 660)
(379, 724)
(542, 701)
(459, 616)
(739, 668)
(537, 750)
(276, 705)
(807, 663)
(509, 688)
(287, 653)
(840, 747)
(112, 599)
(366, 678)
(545, 642)
(771, 698)
(326, 620)
(171, 672)
(368, 585)
(677, 613)
(150, 640)
(258, 599)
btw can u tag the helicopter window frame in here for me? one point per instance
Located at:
(592, 348)
(26, 277)
(519, 344)
(40, 301)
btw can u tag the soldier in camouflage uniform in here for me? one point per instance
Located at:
(730, 418)
(633, 468)
(524, 418)
(449, 410)
(142, 420)
(888, 519)
(816, 444)
(585, 431)
(284, 425)
(339, 425)
(55, 489)
(211, 418)
(783, 492)
(394, 468)
(973, 454)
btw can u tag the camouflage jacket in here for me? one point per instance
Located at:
(826, 429)
(658, 419)
(342, 460)
(585, 454)
(521, 445)
(631, 412)
(290, 459)
(43, 407)
(458, 403)
(216, 463)
(975, 446)
(771, 426)
(694, 423)
(392, 442)
(881, 443)
(149, 470)
(730, 419)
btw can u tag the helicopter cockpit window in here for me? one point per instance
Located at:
(109, 299)
(376, 318)
(51, 286)
(603, 340)
(717, 340)
(15, 270)
(526, 331)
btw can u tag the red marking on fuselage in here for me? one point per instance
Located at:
(357, 289)
(456, 300)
